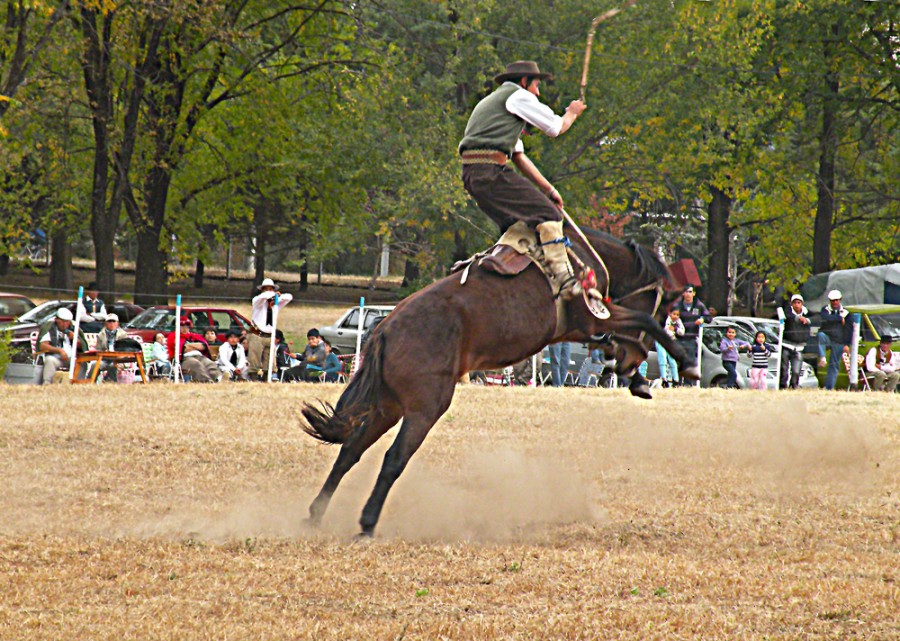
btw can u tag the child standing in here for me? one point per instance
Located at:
(668, 369)
(730, 346)
(760, 351)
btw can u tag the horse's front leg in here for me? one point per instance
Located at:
(622, 319)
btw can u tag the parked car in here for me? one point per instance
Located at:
(13, 305)
(342, 334)
(33, 319)
(162, 319)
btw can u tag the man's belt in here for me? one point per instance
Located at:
(484, 157)
(256, 330)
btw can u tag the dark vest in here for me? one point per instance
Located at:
(491, 126)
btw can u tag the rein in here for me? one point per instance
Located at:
(655, 285)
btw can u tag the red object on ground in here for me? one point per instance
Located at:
(685, 272)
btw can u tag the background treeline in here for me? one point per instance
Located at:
(760, 138)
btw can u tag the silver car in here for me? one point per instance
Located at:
(342, 334)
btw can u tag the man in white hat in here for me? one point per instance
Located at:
(796, 334)
(262, 324)
(493, 137)
(55, 340)
(835, 334)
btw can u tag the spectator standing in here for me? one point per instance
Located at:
(884, 365)
(106, 342)
(92, 303)
(232, 360)
(668, 368)
(796, 334)
(729, 347)
(760, 351)
(55, 341)
(262, 324)
(560, 357)
(693, 315)
(835, 334)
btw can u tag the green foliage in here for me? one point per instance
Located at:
(5, 352)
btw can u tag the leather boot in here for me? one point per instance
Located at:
(557, 261)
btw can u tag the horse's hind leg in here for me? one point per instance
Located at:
(415, 427)
(350, 453)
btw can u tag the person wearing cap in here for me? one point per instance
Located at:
(262, 324)
(106, 342)
(884, 365)
(693, 315)
(55, 340)
(835, 334)
(232, 360)
(796, 334)
(492, 138)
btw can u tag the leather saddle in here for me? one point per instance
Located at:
(510, 256)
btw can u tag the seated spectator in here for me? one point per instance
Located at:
(106, 342)
(94, 310)
(55, 342)
(193, 352)
(211, 337)
(232, 358)
(159, 355)
(884, 366)
(333, 365)
(312, 360)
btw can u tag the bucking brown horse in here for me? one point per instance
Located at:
(415, 357)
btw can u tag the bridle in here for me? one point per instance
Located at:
(655, 285)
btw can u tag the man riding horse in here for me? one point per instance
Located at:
(492, 138)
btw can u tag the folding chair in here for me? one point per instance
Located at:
(861, 373)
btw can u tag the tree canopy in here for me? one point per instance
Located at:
(759, 138)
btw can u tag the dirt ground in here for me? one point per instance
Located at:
(177, 512)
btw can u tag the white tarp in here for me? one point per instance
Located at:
(863, 286)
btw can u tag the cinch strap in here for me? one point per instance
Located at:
(565, 240)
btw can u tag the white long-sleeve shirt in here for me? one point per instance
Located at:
(526, 106)
(260, 304)
(891, 361)
(224, 360)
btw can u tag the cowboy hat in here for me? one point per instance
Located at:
(268, 282)
(521, 69)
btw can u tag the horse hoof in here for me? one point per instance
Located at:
(643, 391)
(366, 536)
(692, 373)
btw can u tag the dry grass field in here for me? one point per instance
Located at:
(176, 512)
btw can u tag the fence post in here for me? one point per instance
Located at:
(74, 354)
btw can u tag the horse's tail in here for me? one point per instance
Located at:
(356, 405)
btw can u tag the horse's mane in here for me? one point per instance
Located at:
(650, 267)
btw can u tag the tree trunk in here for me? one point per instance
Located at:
(260, 259)
(4, 264)
(717, 237)
(95, 67)
(198, 274)
(61, 276)
(150, 276)
(828, 141)
(411, 273)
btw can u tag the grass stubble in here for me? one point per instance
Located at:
(176, 512)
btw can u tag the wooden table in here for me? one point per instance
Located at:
(116, 357)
